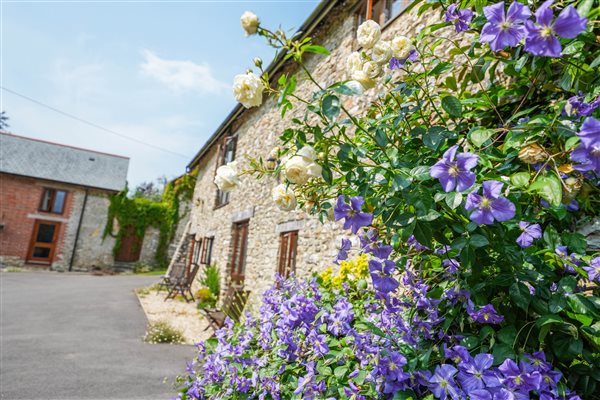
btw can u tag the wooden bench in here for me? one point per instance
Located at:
(183, 285)
(233, 306)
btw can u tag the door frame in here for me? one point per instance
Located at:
(33, 243)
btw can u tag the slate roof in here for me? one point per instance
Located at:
(56, 162)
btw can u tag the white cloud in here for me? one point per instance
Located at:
(182, 75)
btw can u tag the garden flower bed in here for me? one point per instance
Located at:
(465, 183)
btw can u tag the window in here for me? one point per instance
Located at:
(196, 250)
(381, 11)
(288, 243)
(239, 248)
(227, 156)
(206, 254)
(53, 201)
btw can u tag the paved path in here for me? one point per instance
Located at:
(79, 337)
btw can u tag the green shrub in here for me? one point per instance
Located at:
(206, 299)
(210, 279)
(140, 268)
(162, 332)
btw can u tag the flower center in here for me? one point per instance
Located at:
(546, 31)
(392, 366)
(518, 380)
(486, 316)
(453, 171)
(505, 25)
(444, 383)
(486, 203)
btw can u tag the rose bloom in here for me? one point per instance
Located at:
(372, 69)
(284, 197)
(249, 22)
(301, 167)
(354, 63)
(368, 34)
(382, 52)
(227, 178)
(363, 79)
(401, 46)
(248, 89)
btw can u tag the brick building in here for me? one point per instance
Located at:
(53, 203)
(242, 231)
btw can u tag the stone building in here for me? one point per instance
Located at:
(53, 204)
(242, 231)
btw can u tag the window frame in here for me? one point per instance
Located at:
(207, 247)
(51, 201)
(222, 198)
(239, 251)
(364, 11)
(288, 250)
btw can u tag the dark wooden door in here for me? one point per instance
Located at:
(239, 249)
(131, 246)
(43, 242)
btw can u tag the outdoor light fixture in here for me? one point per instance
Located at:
(271, 163)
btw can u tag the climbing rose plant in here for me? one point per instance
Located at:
(466, 185)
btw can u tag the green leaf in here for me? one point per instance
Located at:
(576, 242)
(519, 293)
(507, 335)
(433, 137)
(548, 188)
(313, 48)
(501, 352)
(331, 106)
(557, 303)
(340, 371)
(585, 7)
(452, 106)
(478, 241)
(381, 138)
(581, 305)
(423, 233)
(548, 319)
(348, 90)
(520, 179)
(480, 136)
(454, 199)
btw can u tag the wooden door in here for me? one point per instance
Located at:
(238, 255)
(43, 242)
(131, 246)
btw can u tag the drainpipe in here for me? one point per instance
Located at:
(78, 229)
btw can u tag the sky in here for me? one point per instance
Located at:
(157, 71)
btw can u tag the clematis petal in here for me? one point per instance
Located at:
(544, 14)
(517, 12)
(465, 181)
(482, 216)
(450, 153)
(569, 23)
(473, 201)
(466, 161)
(503, 209)
(492, 189)
(590, 132)
(357, 202)
(495, 12)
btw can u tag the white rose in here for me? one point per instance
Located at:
(248, 89)
(227, 178)
(299, 170)
(368, 34)
(354, 63)
(274, 153)
(284, 197)
(401, 46)
(372, 69)
(363, 79)
(308, 152)
(382, 52)
(249, 22)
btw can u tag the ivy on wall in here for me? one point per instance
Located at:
(141, 213)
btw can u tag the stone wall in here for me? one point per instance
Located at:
(258, 130)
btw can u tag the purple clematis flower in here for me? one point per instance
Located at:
(381, 272)
(345, 247)
(530, 232)
(476, 373)
(577, 107)
(568, 259)
(460, 18)
(490, 206)
(352, 214)
(515, 376)
(486, 315)
(504, 30)
(442, 382)
(451, 264)
(397, 63)
(593, 270)
(541, 37)
(455, 174)
(587, 154)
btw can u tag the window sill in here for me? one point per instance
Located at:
(220, 206)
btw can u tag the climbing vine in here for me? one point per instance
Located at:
(141, 213)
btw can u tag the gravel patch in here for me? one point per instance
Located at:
(179, 314)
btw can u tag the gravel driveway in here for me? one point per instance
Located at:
(74, 336)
